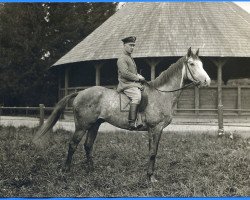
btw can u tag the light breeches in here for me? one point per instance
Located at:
(134, 94)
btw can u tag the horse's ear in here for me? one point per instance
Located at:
(189, 53)
(197, 52)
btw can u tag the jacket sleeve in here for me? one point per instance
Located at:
(124, 72)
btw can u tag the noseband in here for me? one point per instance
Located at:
(195, 82)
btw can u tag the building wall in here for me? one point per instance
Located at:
(235, 100)
(202, 101)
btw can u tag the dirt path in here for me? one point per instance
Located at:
(242, 129)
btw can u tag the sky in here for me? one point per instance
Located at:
(244, 5)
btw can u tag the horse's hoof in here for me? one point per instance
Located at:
(153, 179)
(221, 132)
(89, 170)
(66, 169)
(89, 166)
(139, 126)
(135, 128)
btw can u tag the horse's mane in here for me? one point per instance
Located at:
(166, 74)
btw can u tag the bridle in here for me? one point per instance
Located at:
(195, 82)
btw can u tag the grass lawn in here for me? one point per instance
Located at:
(187, 165)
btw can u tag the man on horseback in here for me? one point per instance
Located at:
(129, 80)
(94, 105)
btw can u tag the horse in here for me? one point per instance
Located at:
(98, 104)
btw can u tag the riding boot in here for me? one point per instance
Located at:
(133, 116)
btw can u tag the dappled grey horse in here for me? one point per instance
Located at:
(96, 105)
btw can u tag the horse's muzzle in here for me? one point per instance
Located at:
(206, 83)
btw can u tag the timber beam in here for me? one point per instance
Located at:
(98, 67)
(153, 62)
(220, 62)
(66, 81)
(59, 84)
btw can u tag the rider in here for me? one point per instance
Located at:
(129, 80)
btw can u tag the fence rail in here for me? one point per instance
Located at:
(202, 101)
(42, 112)
(27, 111)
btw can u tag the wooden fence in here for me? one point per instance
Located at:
(27, 111)
(193, 101)
(203, 101)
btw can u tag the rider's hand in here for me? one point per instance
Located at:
(141, 78)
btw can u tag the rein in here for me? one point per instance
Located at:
(195, 82)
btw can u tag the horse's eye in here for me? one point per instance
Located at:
(192, 64)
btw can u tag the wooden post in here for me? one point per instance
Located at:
(41, 121)
(1, 108)
(59, 85)
(66, 81)
(239, 100)
(152, 63)
(220, 62)
(97, 74)
(26, 111)
(220, 105)
(197, 100)
(153, 72)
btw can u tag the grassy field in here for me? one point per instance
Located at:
(187, 165)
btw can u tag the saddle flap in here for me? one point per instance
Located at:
(125, 102)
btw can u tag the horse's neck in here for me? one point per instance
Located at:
(173, 82)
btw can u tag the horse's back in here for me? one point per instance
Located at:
(92, 95)
(95, 95)
(99, 103)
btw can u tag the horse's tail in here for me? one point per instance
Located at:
(53, 118)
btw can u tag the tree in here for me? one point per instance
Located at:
(21, 44)
(69, 23)
(32, 37)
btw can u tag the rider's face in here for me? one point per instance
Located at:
(129, 47)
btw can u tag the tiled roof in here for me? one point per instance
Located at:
(220, 29)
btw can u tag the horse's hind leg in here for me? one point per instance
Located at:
(76, 138)
(90, 139)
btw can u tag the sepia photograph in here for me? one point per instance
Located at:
(124, 99)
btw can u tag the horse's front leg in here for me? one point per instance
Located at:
(154, 138)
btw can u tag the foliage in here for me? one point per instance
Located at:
(187, 165)
(32, 37)
(69, 23)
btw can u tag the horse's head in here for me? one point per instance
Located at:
(194, 69)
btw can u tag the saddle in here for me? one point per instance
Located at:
(125, 105)
(125, 102)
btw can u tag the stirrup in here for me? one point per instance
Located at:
(132, 126)
(139, 126)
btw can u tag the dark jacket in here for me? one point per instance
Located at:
(127, 73)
